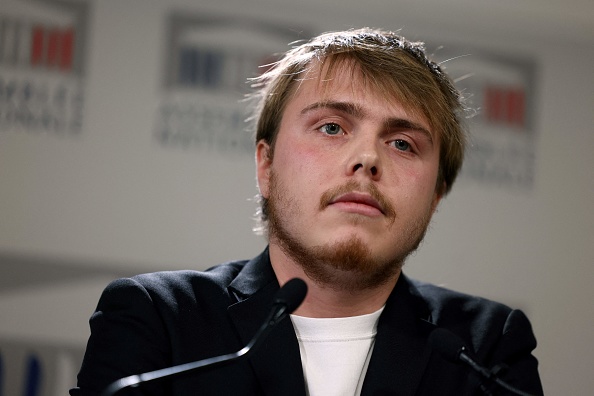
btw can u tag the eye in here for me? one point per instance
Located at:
(331, 129)
(401, 145)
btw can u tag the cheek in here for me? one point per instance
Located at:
(305, 162)
(420, 184)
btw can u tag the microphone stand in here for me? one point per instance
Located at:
(452, 348)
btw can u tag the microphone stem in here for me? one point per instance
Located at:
(274, 317)
(490, 376)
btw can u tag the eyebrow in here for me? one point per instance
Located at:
(358, 112)
(345, 107)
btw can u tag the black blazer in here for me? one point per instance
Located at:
(157, 320)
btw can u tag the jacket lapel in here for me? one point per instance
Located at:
(400, 355)
(277, 362)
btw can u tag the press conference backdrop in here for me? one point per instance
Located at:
(123, 150)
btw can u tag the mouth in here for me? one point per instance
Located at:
(358, 202)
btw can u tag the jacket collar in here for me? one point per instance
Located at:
(400, 354)
(277, 363)
(399, 357)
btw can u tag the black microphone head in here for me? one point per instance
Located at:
(291, 294)
(447, 344)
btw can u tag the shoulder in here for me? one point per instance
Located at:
(480, 321)
(446, 302)
(169, 287)
(218, 276)
(496, 333)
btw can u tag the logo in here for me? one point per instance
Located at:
(207, 64)
(501, 149)
(42, 45)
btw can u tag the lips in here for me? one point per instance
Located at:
(357, 198)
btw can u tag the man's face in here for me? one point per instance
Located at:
(351, 185)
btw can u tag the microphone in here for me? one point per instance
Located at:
(452, 348)
(286, 300)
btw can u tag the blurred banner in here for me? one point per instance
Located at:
(207, 59)
(207, 62)
(502, 91)
(42, 66)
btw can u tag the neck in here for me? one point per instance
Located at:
(327, 300)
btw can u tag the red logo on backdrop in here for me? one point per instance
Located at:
(501, 88)
(505, 106)
(41, 66)
(52, 48)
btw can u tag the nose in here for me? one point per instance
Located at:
(365, 160)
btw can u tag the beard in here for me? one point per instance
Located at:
(347, 265)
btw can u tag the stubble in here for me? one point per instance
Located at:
(347, 265)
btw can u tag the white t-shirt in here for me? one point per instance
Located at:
(335, 352)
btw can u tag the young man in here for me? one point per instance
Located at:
(358, 137)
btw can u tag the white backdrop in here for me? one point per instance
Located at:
(111, 199)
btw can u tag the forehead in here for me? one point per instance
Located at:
(334, 80)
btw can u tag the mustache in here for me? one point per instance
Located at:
(352, 186)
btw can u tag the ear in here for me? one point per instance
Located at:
(437, 196)
(263, 165)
